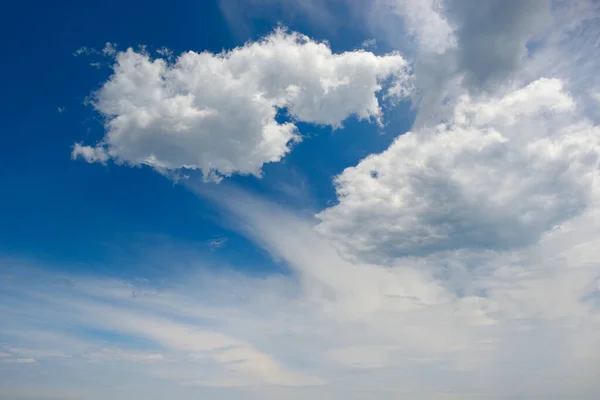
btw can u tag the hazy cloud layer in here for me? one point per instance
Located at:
(482, 322)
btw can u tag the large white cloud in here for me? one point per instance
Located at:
(218, 112)
(498, 174)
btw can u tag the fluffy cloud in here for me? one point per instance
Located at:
(497, 175)
(219, 112)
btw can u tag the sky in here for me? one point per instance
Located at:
(332, 199)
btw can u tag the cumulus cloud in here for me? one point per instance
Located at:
(498, 174)
(219, 112)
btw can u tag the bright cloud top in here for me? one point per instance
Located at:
(219, 112)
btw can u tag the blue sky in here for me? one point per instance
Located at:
(332, 199)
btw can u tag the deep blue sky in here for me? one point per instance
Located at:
(75, 215)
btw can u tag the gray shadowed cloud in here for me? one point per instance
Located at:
(492, 37)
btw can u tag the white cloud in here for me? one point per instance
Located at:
(85, 51)
(110, 49)
(567, 50)
(500, 173)
(28, 353)
(20, 361)
(217, 112)
(165, 52)
(173, 340)
(89, 154)
(217, 242)
(425, 21)
(107, 354)
(369, 44)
